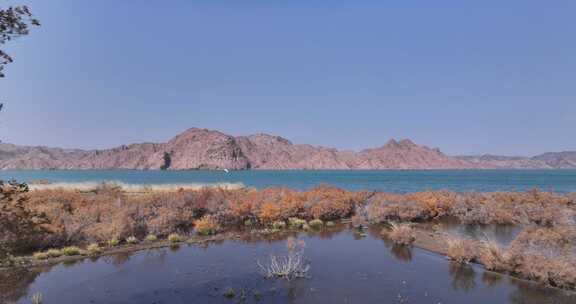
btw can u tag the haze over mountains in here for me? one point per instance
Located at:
(206, 149)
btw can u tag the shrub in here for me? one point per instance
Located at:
(493, 257)
(93, 248)
(175, 238)
(288, 267)
(131, 240)
(461, 250)
(113, 243)
(402, 211)
(558, 271)
(279, 225)
(270, 212)
(22, 229)
(229, 292)
(206, 225)
(71, 250)
(41, 256)
(151, 238)
(402, 234)
(296, 223)
(316, 223)
(54, 253)
(248, 223)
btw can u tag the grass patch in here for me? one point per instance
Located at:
(229, 293)
(71, 251)
(93, 249)
(175, 238)
(54, 253)
(279, 225)
(296, 223)
(316, 223)
(41, 256)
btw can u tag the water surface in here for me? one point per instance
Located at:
(346, 267)
(384, 180)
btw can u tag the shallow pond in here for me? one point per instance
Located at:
(346, 267)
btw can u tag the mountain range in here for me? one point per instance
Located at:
(197, 149)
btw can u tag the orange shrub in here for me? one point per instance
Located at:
(270, 212)
(206, 225)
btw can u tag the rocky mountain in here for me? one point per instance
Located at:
(405, 154)
(560, 160)
(550, 160)
(206, 149)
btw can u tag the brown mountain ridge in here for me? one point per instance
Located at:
(197, 149)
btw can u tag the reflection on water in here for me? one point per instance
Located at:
(346, 268)
(463, 276)
(502, 234)
(491, 279)
(14, 284)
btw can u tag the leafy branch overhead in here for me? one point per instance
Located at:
(14, 22)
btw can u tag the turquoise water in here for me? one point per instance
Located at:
(561, 181)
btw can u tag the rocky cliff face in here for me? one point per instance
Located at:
(405, 154)
(202, 149)
(206, 149)
(274, 152)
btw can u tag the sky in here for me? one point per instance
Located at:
(469, 77)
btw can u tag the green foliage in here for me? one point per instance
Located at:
(41, 256)
(14, 22)
(229, 293)
(54, 253)
(93, 249)
(316, 223)
(296, 223)
(175, 238)
(279, 225)
(71, 251)
(151, 238)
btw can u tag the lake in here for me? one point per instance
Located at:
(561, 181)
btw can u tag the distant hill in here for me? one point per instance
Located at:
(550, 160)
(207, 149)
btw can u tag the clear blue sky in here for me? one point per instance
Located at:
(464, 76)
